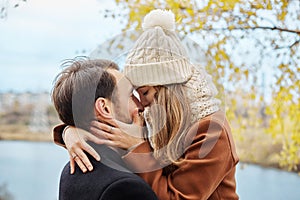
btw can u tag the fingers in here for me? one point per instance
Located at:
(82, 160)
(80, 164)
(90, 150)
(78, 155)
(133, 129)
(105, 127)
(78, 147)
(101, 126)
(72, 165)
(121, 137)
(103, 131)
(111, 143)
(76, 159)
(101, 134)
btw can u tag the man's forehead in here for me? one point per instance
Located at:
(120, 78)
(117, 74)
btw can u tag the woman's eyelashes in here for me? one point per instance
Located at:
(145, 93)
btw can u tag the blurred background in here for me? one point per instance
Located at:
(250, 47)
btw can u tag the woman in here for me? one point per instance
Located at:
(189, 152)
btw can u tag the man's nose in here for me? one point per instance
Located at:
(138, 104)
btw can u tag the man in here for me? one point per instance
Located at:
(86, 90)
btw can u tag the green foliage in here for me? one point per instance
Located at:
(246, 41)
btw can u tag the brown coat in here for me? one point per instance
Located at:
(207, 170)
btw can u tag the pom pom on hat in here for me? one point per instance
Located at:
(163, 18)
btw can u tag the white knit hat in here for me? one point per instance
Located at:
(158, 57)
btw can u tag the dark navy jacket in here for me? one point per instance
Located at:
(109, 180)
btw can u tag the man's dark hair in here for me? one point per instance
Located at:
(78, 86)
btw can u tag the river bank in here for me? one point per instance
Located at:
(34, 137)
(249, 152)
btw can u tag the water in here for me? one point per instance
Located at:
(31, 171)
(258, 183)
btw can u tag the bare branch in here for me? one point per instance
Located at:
(295, 43)
(254, 28)
(289, 46)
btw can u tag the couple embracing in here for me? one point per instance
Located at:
(155, 131)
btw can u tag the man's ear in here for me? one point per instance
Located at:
(103, 108)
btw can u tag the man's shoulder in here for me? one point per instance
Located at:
(106, 170)
(102, 181)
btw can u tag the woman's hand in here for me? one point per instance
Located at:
(114, 136)
(75, 140)
(121, 135)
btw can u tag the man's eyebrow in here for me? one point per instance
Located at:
(130, 90)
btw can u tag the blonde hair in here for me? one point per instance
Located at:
(169, 122)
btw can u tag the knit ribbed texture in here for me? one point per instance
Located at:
(166, 72)
(157, 58)
(201, 94)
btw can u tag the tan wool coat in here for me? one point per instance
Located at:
(207, 170)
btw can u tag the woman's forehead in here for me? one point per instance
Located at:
(143, 88)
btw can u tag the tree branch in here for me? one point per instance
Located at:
(290, 46)
(254, 28)
(277, 28)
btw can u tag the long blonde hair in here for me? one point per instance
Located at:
(169, 120)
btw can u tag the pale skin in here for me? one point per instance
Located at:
(114, 134)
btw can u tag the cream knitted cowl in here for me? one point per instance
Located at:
(201, 93)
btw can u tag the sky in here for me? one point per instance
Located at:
(38, 35)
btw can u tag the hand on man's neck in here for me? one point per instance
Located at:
(111, 122)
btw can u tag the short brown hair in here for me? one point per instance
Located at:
(78, 86)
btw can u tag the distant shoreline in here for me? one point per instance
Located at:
(35, 137)
(47, 137)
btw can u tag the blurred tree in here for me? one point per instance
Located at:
(4, 193)
(254, 46)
